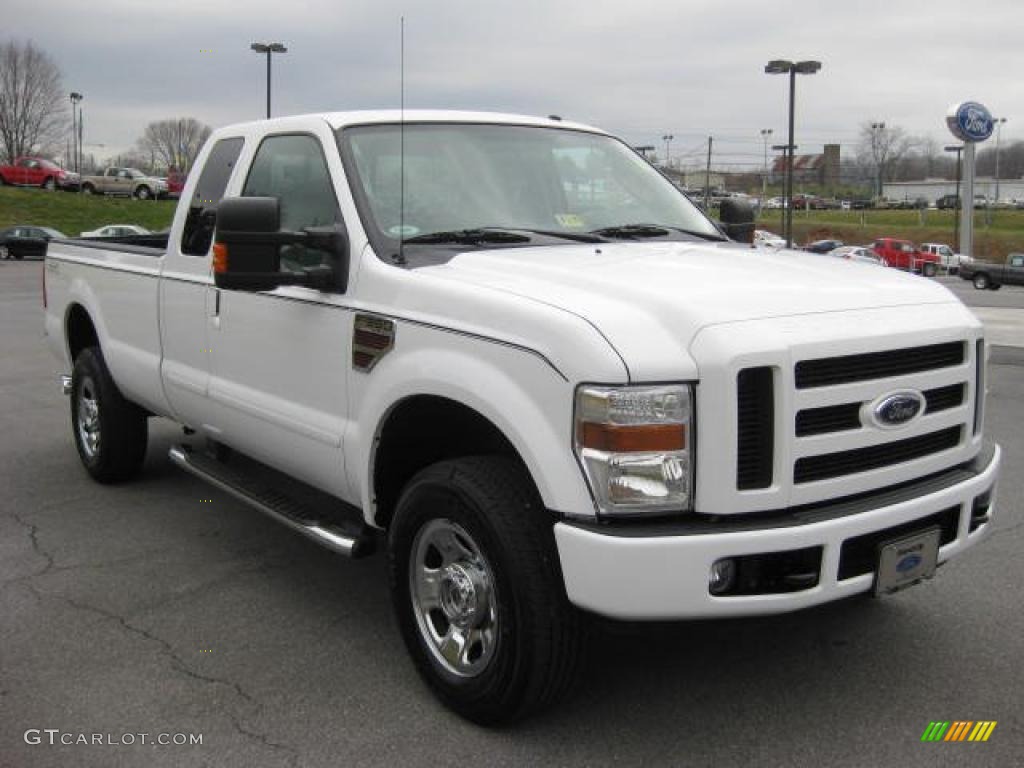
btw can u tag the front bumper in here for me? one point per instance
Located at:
(661, 570)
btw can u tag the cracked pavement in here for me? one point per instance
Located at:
(139, 609)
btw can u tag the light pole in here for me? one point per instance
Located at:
(269, 49)
(766, 134)
(791, 68)
(75, 98)
(958, 148)
(999, 129)
(667, 138)
(876, 131)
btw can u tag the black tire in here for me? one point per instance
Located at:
(929, 269)
(18, 256)
(89, 189)
(995, 286)
(981, 281)
(49, 184)
(121, 427)
(143, 193)
(538, 641)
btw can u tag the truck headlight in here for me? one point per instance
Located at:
(635, 445)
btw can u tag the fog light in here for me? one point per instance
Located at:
(723, 574)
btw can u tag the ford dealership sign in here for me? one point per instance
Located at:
(970, 121)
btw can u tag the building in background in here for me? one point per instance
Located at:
(932, 189)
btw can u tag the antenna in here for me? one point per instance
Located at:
(401, 149)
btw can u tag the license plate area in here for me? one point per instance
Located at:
(907, 560)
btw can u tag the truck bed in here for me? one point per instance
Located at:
(117, 282)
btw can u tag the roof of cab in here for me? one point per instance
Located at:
(363, 117)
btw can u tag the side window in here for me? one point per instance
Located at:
(293, 169)
(1017, 261)
(198, 232)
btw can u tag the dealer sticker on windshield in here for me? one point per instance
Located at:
(907, 561)
(569, 220)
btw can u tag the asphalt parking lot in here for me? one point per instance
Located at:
(164, 606)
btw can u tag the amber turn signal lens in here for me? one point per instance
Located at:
(614, 438)
(220, 258)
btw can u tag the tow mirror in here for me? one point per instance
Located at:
(248, 244)
(737, 217)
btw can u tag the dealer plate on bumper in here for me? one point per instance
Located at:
(905, 561)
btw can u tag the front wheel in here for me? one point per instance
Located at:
(981, 281)
(478, 591)
(110, 432)
(49, 185)
(143, 193)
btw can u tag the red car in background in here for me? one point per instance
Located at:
(175, 182)
(903, 254)
(37, 172)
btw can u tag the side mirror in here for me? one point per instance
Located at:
(737, 217)
(247, 249)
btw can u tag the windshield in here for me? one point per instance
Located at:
(472, 177)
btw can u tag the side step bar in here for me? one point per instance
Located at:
(299, 517)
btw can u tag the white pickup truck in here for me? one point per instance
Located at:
(510, 351)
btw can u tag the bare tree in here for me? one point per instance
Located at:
(880, 147)
(32, 117)
(174, 142)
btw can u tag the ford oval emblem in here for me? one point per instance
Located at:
(970, 121)
(908, 563)
(897, 409)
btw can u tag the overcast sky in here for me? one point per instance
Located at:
(641, 68)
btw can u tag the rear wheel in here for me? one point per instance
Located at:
(110, 432)
(478, 592)
(49, 184)
(929, 269)
(89, 189)
(981, 281)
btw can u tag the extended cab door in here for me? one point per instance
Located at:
(280, 359)
(187, 300)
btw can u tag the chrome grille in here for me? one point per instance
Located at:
(835, 437)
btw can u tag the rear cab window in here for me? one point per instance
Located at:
(197, 234)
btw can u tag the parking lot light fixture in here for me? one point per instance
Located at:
(783, 67)
(269, 49)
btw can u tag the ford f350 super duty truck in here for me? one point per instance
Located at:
(513, 354)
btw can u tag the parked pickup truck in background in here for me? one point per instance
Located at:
(510, 353)
(124, 181)
(902, 254)
(37, 172)
(948, 259)
(992, 277)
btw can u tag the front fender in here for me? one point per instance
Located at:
(523, 395)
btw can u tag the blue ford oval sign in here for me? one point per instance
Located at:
(897, 409)
(970, 121)
(909, 563)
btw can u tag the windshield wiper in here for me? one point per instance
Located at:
(641, 231)
(501, 235)
(579, 237)
(468, 237)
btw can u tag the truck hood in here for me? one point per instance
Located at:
(651, 299)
